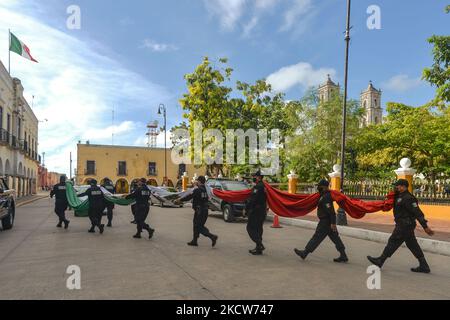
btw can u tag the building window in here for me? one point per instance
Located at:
(1, 117)
(152, 169)
(90, 168)
(181, 169)
(122, 170)
(8, 123)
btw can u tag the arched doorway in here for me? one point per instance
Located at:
(152, 182)
(122, 186)
(87, 181)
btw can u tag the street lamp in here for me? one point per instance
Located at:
(341, 216)
(162, 110)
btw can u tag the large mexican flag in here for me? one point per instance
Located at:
(17, 46)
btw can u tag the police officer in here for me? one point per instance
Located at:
(200, 205)
(142, 195)
(108, 185)
(256, 209)
(326, 226)
(96, 206)
(61, 204)
(406, 212)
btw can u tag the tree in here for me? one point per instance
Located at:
(420, 134)
(439, 73)
(315, 147)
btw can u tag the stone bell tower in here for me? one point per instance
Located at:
(371, 103)
(327, 90)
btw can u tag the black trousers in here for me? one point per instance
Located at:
(324, 230)
(200, 218)
(60, 210)
(403, 234)
(95, 215)
(255, 224)
(110, 214)
(141, 213)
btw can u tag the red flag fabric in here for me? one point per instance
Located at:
(289, 205)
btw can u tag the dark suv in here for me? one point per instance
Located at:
(7, 205)
(229, 210)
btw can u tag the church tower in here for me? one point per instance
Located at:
(371, 103)
(327, 90)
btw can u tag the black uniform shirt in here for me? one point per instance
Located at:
(406, 210)
(199, 197)
(258, 198)
(59, 192)
(325, 208)
(95, 195)
(141, 194)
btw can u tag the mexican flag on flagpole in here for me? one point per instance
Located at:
(17, 46)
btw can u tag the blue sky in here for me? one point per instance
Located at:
(133, 54)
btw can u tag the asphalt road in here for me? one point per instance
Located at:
(35, 255)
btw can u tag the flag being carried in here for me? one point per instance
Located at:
(17, 46)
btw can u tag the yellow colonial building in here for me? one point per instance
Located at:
(124, 165)
(19, 159)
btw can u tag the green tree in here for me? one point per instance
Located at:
(315, 147)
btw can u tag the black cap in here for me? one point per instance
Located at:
(93, 182)
(257, 174)
(402, 182)
(63, 178)
(143, 180)
(323, 183)
(202, 179)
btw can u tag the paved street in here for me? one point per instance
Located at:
(34, 257)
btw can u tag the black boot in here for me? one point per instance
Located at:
(342, 258)
(151, 232)
(59, 225)
(377, 261)
(214, 240)
(102, 228)
(92, 230)
(66, 224)
(193, 243)
(137, 236)
(301, 253)
(109, 225)
(423, 267)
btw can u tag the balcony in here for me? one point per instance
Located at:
(122, 172)
(5, 137)
(90, 172)
(152, 173)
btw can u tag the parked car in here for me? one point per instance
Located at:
(7, 205)
(229, 210)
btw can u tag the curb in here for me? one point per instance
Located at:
(20, 204)
(427, 245)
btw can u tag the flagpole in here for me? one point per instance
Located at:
(9, 51)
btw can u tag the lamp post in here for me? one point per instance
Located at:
(341, 216)
(162, 110)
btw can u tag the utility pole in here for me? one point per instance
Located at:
(341, 216)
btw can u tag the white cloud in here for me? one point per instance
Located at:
(300, 74)
(296, 13)
(75, 87)
(401, 83)
(228, 11)
(158, 47)
(143, 140)
(248, 28)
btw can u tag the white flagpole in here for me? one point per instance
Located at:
(9, 51)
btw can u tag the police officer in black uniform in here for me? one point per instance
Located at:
(96, 206)
(141, 209)
(326, 226)
(61, 204)
(256, 209)
(406, 212)
(108, 185)
(200, 205)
